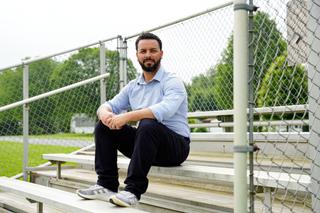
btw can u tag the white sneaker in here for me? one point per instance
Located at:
(124, 199)
(96, 192)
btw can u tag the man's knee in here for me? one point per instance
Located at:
(100, 128)
(148, 128)
(148, 124)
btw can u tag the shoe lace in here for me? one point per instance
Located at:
(94, 187)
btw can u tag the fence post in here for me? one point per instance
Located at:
(102, 71)
(121, 65)
(125, 57)
(25, 121)
(314, 109)
(240, 97)
(251, 105)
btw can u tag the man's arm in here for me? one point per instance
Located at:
(174, 95)
(118, 121)
(104, 113)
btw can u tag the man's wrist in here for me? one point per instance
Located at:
(103, 107)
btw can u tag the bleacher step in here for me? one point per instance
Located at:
(10, 202)
(202, 173)
(192, 174)
(65, 201)
(159, 194)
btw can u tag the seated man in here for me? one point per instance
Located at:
(158, 100)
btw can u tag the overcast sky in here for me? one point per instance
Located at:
(31, 28)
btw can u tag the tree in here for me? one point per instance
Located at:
(283, 85)
(200, 94)
(53, 114)
(268, 44)
(39, 83)
(86, 99)
(11, 90)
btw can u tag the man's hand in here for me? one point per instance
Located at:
(105, 116)
(118, 121)
(114, 121)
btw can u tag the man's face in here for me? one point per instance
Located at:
(149, 55)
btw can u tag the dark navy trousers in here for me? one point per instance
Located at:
(152, 143)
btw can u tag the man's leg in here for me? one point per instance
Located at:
(107, 143)
(155, 144)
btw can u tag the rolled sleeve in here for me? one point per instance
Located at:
(174, 95)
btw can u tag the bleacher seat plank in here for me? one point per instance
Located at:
(296, 137)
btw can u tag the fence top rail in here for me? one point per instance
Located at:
(56, 54)
(53, 92)
(228, 3)
(257, 111)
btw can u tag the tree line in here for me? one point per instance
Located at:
(53, 114)
(275, 81)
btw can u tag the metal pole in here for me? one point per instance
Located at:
(102, 71)
(56, 54)
(314, 108)
(121, 65)
(25, 121)
(251, 108)
(125, 58)
(53, 92)
(240, 97)
(222, 5)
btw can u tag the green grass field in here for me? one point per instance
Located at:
(11, 156)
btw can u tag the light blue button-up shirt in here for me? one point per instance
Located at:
(165, 95)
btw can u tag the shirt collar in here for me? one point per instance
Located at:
(157, 77)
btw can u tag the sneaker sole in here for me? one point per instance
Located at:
(93, 197)
(114, 200)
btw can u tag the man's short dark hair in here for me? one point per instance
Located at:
(150, 36)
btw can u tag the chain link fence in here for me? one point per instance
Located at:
(280, 78)
(199, 49)
(63, 122)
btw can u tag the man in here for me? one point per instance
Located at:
(158, 100)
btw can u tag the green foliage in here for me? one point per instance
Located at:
(268, 44)
(39, 82)
(11, 91)
(53, 114)
(283, 85)
(12, 153)
(223, 86)
(200, 92)
(86, 99)
(198, 129)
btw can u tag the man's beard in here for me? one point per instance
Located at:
(152, 68)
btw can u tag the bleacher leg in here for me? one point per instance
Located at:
(58, 170)
(267, 199)
(39, 207)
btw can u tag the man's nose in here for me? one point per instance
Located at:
(148, 54)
